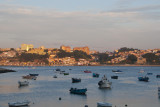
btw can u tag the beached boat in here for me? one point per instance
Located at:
(143, 78)
(75, 80)
(23, 83)
(158, 76)
(18, 104)
(87, 71)
(114, 77)
(33, 74)
(102, 104)
(117, 71)
(95, 75)
(29, 77)
(104, 83)
(78, 91)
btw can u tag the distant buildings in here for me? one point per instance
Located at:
(26, 47)
(66, 48)
(84, 49)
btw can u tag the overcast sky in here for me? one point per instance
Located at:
(103, 25)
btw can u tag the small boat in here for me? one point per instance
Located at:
(58, 69)
(23, 83)
(143, 79)
(95, 75)
(55, 76)
(117, 71)
(33, 74)
(78, 91)
(114, 77)
(87, 71)
(102, 104)
(149, 73)
(158, 91)
(75, 80)
(141, 71)
(158, 76)
(104, 83)
(66, 73)
(18, 104)
(29, 77)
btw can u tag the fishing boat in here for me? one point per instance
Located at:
(95, 75)
(75, 80)
(33, 74)
(143, 78)
(114, 77)
(117, 71)
(87, 71)
(23, 83)
(29, 77)
(18, 104)
(102, 104)
(104, 83)
(158, 76)
(78, 91)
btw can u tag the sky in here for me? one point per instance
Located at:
(102, 25)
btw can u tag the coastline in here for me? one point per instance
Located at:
(127, 65)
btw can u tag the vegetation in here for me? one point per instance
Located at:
(76, 54)
(125, 49)
(26, 57)
(152, 58)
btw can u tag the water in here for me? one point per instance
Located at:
(46, 90)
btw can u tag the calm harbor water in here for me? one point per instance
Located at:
(46, 90)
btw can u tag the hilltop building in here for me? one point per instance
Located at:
(66, 48)
(26, 47)
(84, 49)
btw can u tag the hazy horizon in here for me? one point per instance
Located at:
(102, 25)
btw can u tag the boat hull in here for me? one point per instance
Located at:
(78, 91)
(18, 104)
(143, 79)
(101, 104)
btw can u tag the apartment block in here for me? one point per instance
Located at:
(84, 49)
(66, 48)
(26, 47)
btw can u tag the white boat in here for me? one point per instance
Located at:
(102, 104)
(104, 83)
(18, 104)
(23, 83)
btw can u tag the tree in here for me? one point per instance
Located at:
(152, 58)
(131, 59)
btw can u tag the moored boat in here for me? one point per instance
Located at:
(158, 91)
(114, 77)
(158, 76)
(23, 83)
(104, 83)
(78, 91)
(143, 79)
(33, 74)
(75, 80)
(29, 77)
(102, 104)
(66, 73)
(87, 71)
(55, 76)
(117, 71)
(95, 75)
(149, 73)
(18, 104)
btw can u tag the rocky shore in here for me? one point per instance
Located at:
(2, 70)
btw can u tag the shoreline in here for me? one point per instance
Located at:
(125, 65)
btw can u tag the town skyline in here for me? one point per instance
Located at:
(101, 25)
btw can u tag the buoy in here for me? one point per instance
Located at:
(86, 106)
(60, 98)
(126, 105)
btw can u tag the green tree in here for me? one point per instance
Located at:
(131, 59)
(152, 58)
